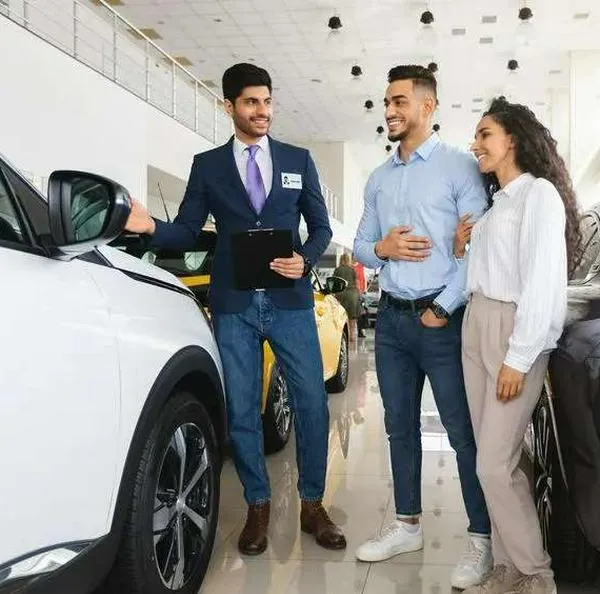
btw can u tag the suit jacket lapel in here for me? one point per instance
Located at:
(276, 185)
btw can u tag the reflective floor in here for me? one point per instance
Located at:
(359, 498)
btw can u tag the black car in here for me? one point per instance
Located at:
(565, 431)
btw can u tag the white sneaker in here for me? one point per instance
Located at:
(474, 565)
(393, 540)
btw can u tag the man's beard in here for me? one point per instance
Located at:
(246, 128)
(400, 136)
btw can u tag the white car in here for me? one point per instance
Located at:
(112, 413)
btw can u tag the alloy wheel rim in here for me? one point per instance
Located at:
(344, 360)
(183, 506)
(543, 483)
(281, 406)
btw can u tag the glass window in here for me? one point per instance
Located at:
(11, 229)
(32, 203)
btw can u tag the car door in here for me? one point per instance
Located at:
(59, 403)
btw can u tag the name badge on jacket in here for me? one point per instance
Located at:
(291, 181)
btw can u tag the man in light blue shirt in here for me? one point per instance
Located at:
(413, 203)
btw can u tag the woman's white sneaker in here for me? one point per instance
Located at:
(396, 538)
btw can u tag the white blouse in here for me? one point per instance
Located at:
(518, 254)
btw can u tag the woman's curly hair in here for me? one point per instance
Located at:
(536, 153)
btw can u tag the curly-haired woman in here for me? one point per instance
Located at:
(521, 253)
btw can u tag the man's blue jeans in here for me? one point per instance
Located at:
(293, 337)
(406, 352)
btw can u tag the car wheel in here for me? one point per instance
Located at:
(573, 558)
(278, 416)
(339, 381)
(172, 519)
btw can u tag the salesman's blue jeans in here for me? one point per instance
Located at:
(293, 337)
(406, 352)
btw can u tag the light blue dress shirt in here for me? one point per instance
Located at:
(438, 185)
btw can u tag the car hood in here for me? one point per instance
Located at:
(123, 261)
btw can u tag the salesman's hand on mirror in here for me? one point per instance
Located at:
(430, 320)
(510, 384)
(289, 267)
(463, 235)
(398, 244)
(139, 220)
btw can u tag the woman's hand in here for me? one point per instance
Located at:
(510, 384)
(462, 235)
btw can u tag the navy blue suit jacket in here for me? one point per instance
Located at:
(215, 186)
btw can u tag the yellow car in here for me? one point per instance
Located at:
(193, 269)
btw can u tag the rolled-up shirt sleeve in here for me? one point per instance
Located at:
(543, 274)
(369, 229)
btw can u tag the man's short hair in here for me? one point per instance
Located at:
(239, 76)
(421, 77)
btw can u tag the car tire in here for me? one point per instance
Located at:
(173, 510)
(278, 417)
(573, 558)
(338, 382)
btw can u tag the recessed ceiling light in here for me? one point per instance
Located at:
(555, 71)
(581, 16)
(478, 100)
(182, 60)
(459, 31)
(489, 19)
(486, 40)
(218, 20)
(540, 103)
(316, 80)
(456, 105)
(476, 110)
(148, 32)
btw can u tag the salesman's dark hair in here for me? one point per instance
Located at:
(239, 76)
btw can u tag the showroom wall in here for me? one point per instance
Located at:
(58, 113)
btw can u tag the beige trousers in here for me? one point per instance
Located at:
(499, 432)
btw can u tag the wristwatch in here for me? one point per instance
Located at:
(307, 266)
(438, 311)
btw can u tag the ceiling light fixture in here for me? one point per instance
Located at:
(335, 23)
(369, 105)
(380, 129)
(427, 35)
(525, 28)
(356, 71)
(388, 148)
(512, 65)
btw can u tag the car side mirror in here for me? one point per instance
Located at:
(334, 284)
(86, 211)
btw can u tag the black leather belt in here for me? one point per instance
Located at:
(414, 305)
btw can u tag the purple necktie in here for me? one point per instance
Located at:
(254, 180)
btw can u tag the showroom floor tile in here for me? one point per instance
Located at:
(359, 498)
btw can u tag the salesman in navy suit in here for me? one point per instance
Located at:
(255, 182)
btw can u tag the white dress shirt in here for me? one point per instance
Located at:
(263, 158)
(518, 254)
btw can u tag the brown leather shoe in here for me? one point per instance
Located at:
(315, 520)
(253, 539)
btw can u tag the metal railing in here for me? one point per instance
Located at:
(107, 42)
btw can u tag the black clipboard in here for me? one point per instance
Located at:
(253, 251)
